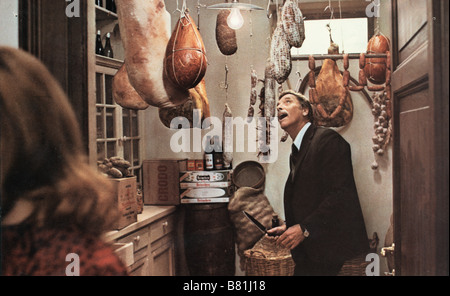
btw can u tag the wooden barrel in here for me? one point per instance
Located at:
(209, 240)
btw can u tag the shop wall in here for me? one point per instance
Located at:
(374, 187)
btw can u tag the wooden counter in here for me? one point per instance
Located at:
(148, 215)
(147, 246)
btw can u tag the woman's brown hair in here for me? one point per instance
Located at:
(42, 156)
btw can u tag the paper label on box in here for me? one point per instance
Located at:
(205, 200)
(184, 185)
(205, 176)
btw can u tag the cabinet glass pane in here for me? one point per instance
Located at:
(99, 88)
(127, 150)
(126, 123)
(108, 89)
(101, 151)
(134, 125)
(100, 123)
(111, 149)
(110, 131)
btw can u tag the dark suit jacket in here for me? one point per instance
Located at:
(320, 195)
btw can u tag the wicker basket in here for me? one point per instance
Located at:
(267, 259)
(357, 266)
(354, 267)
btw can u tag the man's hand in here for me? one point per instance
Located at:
(277, 231)
(292, 237)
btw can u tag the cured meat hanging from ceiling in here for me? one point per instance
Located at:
(185, 58)
(227, 137)
(198, 100)
(289, 32)
(378, 71)
(292, 22)
(225, 36)
(124, 93)
(330, 99)
(375, 68)
(280, 55)
(145, 52)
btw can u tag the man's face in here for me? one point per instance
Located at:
(291, 115)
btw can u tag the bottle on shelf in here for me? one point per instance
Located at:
(108, 49)
(209, 155)
(227, 166)
(217, 155)
(98, 44)
(111, 5)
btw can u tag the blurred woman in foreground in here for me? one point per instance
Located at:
(54, 206)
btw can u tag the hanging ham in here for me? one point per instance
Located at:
(144, 29)
(198, 100)
(124, 93)
(185, 58)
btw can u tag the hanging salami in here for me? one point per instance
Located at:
(280, 55)
(185, 59)
(227, 137)
(293, 25)
(225, 36)
(144, 29)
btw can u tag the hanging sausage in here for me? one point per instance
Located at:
(144, 28)
(227, 138)
(185, 59)
(280, 55)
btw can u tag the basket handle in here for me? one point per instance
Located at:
(255, 251)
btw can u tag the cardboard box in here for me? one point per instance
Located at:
(160, 181)
(199, 165)
(205, 200)
(185, 185)
(205, 176)
(208, 192)
(125, 198)
(191, 165)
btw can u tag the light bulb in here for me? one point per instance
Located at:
(235, 19)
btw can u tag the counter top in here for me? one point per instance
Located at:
(148, 215)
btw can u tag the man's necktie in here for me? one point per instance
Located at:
(293, 156)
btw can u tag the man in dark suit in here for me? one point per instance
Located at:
(324, 222)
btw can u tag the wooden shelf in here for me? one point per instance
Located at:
(108, 62)
(102, 14)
